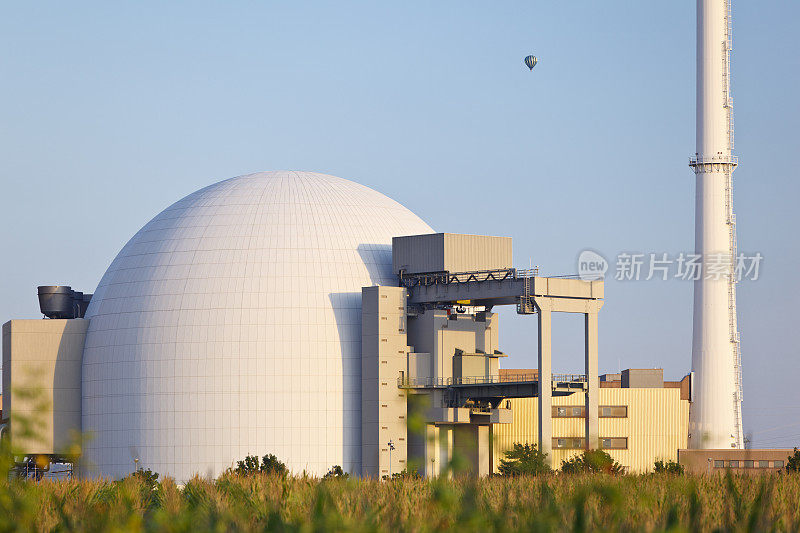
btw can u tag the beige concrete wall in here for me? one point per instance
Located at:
(42, 382)
(487, 339)
(433, 332)
(383, 360)
(656, 427)
(642, 378)
(568, 288)
(6, 365)
(417, 406)
(450, 252)
(451, 430)
(738, 461)
(465, 253)
(419, 365)
(470, 366)
(472, 443)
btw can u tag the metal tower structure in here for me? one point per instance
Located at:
(715, 419)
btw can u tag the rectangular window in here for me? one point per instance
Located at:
(569, 443)
(614, 411)
(777, 464)
(748, 464)
(719, 464)
(763, 464)
(605, 411)
(734, 464)
(568, 412)
(614, 443)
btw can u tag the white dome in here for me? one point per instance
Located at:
(231, 325)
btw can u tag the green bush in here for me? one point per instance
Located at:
(148, 484)
(269, 464)
(592, 462)
(405, 474)
(148, 478)
(524, 459)
(337, 472)
(793, 464)
(667, 467)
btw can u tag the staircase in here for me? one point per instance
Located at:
(731, 221)
(525, 304)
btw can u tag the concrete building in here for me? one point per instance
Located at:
(433, 344)
(229, 325)
(642, 418)
(737, 461)
(309, 317)
(384, 409)
(41, 383)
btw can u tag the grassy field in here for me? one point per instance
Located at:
(274, 503)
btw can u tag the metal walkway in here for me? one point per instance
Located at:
(493, 390)
(531, 294)
(495, 287)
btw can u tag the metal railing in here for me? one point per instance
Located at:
(479, 276)
(699, 160)
(447, 278)
(432, 382)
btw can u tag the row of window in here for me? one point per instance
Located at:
(748, 464)
(606, 411)
(579, 443)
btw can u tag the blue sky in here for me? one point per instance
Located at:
(112, 111)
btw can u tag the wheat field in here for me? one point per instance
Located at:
(263, 502)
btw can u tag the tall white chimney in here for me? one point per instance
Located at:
(715, 419)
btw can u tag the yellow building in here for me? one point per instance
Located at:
(642, 419)
(42, 359)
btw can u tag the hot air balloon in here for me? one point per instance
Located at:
(531, 61)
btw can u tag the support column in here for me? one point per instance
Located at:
(431, 466)
(544, 306)
(445, 449)
(593, 379)
(484, 451)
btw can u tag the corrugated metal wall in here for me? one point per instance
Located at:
(464, 253)
(657, 425)
(418, 253)
(450, 252)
